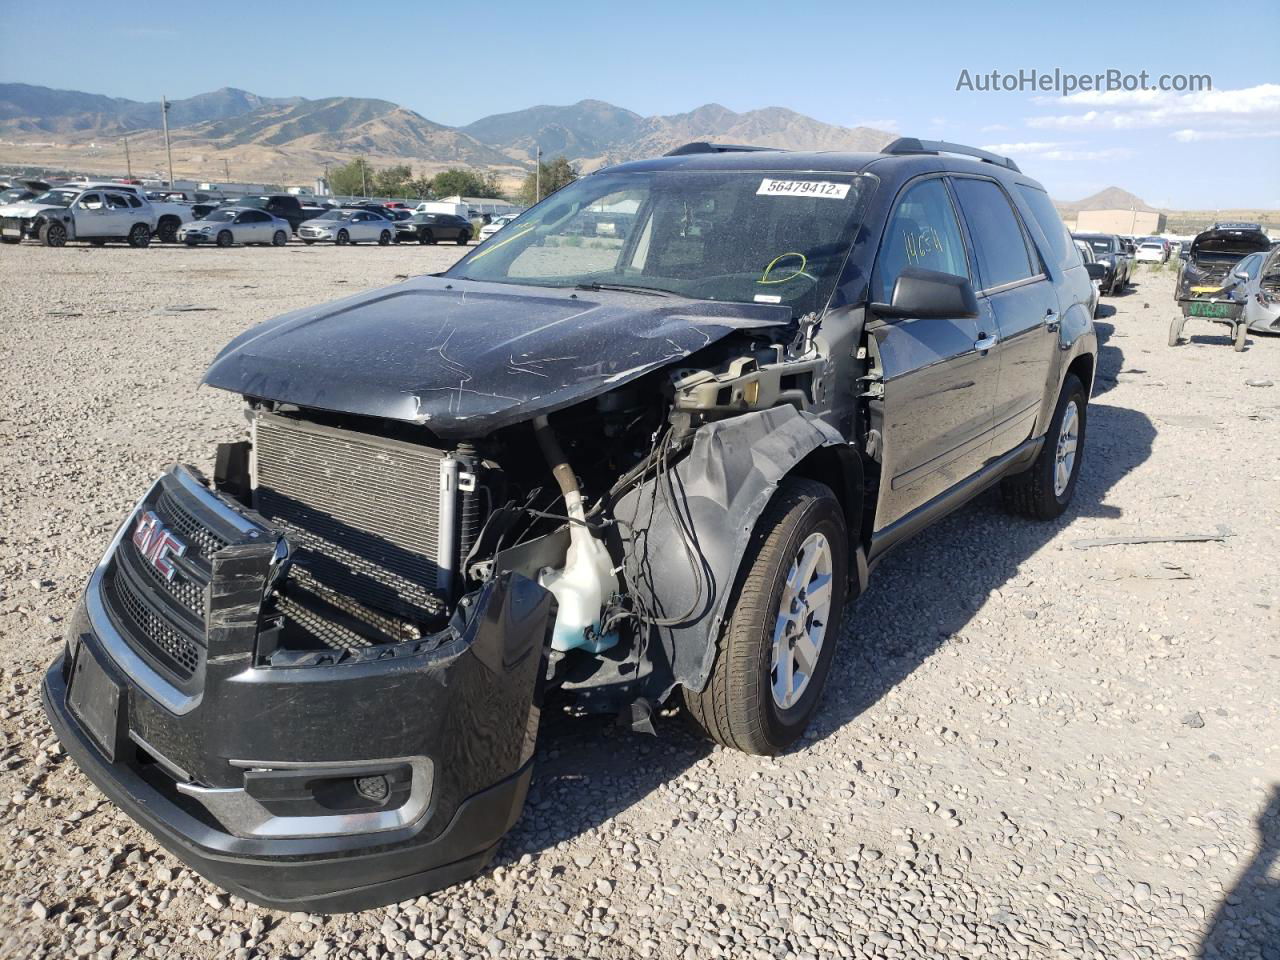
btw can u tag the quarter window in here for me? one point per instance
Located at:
(997, 235)
(923, 232)
(1063, 251)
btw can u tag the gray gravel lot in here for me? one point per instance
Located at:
(1026, 749)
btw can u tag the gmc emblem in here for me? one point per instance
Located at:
(157, 544)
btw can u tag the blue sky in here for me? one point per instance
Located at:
(894, 66)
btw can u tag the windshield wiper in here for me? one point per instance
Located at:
(626, 288)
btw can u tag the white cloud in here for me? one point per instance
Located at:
(1206, 114)
(1191, 136)
(1058, 150)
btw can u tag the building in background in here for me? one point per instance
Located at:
(1128, 223)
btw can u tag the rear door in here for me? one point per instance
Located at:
(1017, 296)
(938, 381)
(120, 216)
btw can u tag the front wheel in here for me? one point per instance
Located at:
(342, 239)
(225, 238)
(53, 234)
(1242, 331)
(139, 235)
(464, 238)
(783, 622)
(1175, 329)
(279, 238)
(384, 238)
(1044, 489)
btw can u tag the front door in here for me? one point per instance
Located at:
(1014, 293)
(938, 379)
(91, 216)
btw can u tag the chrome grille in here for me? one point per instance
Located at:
(361, 512)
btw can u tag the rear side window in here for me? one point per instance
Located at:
(1061, 250)
(923, 232)
(997, 235)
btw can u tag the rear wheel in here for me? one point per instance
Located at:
(1044, 489)
(384, 238)
(279, 238)
(1242, 331)
(224, 238)
(1175, 329)
(53, 234)
(428, 237)
(139, 235)
(167, 229)
(342, 239)
(784, 618)
(464, 238)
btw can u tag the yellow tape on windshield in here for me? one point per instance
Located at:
(804, 262)
(494, 246)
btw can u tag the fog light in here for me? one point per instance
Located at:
(372, 788)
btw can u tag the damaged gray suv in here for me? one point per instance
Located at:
(639, 448)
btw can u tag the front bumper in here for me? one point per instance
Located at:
(241, 774)
(193, 237)
(16, 228)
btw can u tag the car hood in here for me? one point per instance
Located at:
(465, 358)
(324, 223)
(25, 208)
(1235, 243)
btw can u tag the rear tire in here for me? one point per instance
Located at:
(139, 235)
(167, 230)
(53, 234)
(225, 239)
(739, 705)
(279, 238)
(1175, 329)
(428, 237)
(1044, 490)
(384, 238)
(1241, 333)
(464, 238)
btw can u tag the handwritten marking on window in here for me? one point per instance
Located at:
(923, 244)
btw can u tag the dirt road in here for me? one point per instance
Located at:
(1026, 749)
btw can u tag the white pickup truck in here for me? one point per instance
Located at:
(96, 212)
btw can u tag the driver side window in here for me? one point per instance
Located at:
(922, 232)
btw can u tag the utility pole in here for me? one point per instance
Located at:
(1133, 221)
(226, 170)
(537, 178)
(127, 162)
(364, 181)
(164, 117)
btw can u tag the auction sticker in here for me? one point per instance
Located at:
(802, 188)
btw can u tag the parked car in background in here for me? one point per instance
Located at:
(227, 225)
(434, 227)
(1108, 249)
(1151, 251)
(493, 226)
(286, 206)
(1206, 285)
(1258, 278)
(1095, 274)
(22, 189)
(346, 225)
(17, 220)
(97, 215)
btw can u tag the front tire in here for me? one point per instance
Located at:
(53, 234)
(342, 239)
(139, 235)
(1043, 490)
(464, 238)
(167, 230)
(225, 239)
(1175, 329)
(783, 622)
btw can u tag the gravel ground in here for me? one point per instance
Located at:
(1026, 749)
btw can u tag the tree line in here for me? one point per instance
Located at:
(359, 178)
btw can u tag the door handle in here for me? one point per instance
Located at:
(986, 343)
(1051, 321)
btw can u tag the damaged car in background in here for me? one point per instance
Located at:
(643, 469)
(1211, 285)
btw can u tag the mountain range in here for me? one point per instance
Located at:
(298, 135)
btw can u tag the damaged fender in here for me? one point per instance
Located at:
(720, 489)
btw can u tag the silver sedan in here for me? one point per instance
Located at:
(347, 225)
(1257, 277)
(227, 225)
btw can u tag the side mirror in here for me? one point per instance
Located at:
(924, 294)
(1096, 271)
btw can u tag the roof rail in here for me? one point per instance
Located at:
(702, 146)
(912, 145)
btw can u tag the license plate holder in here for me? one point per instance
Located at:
(97, 701)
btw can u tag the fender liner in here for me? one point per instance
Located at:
(721, 487)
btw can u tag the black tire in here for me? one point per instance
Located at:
(422, 238)
(384, 238)
(737, 707)
(308, 242)
(279, 238)
(53, 234)
(139, 236)
(1032, 493)
(428, 237)
(192, 242)
(225, 239)
(1175, 329)
(1239, 337)
(464, 238)
(167, 229)
(342, 239)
